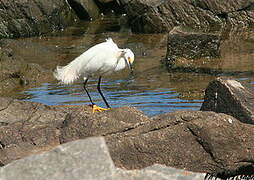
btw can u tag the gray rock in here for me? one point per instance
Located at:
(27, 128)
(152, 16)
(197, 141)
(85, 159)
(193, 140)
(231, 97)
(23, 111)
(186, 49)
(116, 121)
(82, 159)
(158, 172)
(22, 18)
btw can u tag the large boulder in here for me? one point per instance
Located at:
(194, 140)
(87, 159)
(232, 97)
(13, 111)
(184, 44)
(116, 121)
(197, 141)
(208, 55)
(160, 16)
(27, 128)
(29, 18)
(84, 159)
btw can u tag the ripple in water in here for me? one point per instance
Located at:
(151, 102)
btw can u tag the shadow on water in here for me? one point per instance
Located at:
(152, 88)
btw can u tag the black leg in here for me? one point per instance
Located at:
(99, 89)
(84, 85)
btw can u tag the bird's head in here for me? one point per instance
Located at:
(129, 57)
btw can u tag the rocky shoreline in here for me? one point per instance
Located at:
(162, 16)
(24, 19)
(85, 159)
(70, 142)
(199, 141)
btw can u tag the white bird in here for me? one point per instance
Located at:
(101, 59)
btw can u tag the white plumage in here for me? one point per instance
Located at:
(101, 59)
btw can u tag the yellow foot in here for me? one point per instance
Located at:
(98, 109)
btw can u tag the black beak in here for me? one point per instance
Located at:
(131, 67)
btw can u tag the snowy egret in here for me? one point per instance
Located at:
(101, 59)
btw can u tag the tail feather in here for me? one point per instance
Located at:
(66, 74)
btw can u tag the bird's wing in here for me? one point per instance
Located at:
(98, 58)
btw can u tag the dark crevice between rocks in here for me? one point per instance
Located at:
(34, 110)
(15, 75)
(79, 10)
(124, 130)
(221, 172)
(239, 177)
(157, 129)
(218, 171)
(117, 132)
(33, 142)
(3, 123)
(163, 127)
(249, 7)
(11, 101)
(106, 8)
(2, 145)
(202, 143)
(223, 15)
(246, 170)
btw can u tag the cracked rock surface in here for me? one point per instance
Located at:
(160, 16)
(85, 159)
(199, 141)
(22, 18)
(28, 128)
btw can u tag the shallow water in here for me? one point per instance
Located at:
(152, 88)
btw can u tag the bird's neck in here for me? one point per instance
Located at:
(121, 64)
